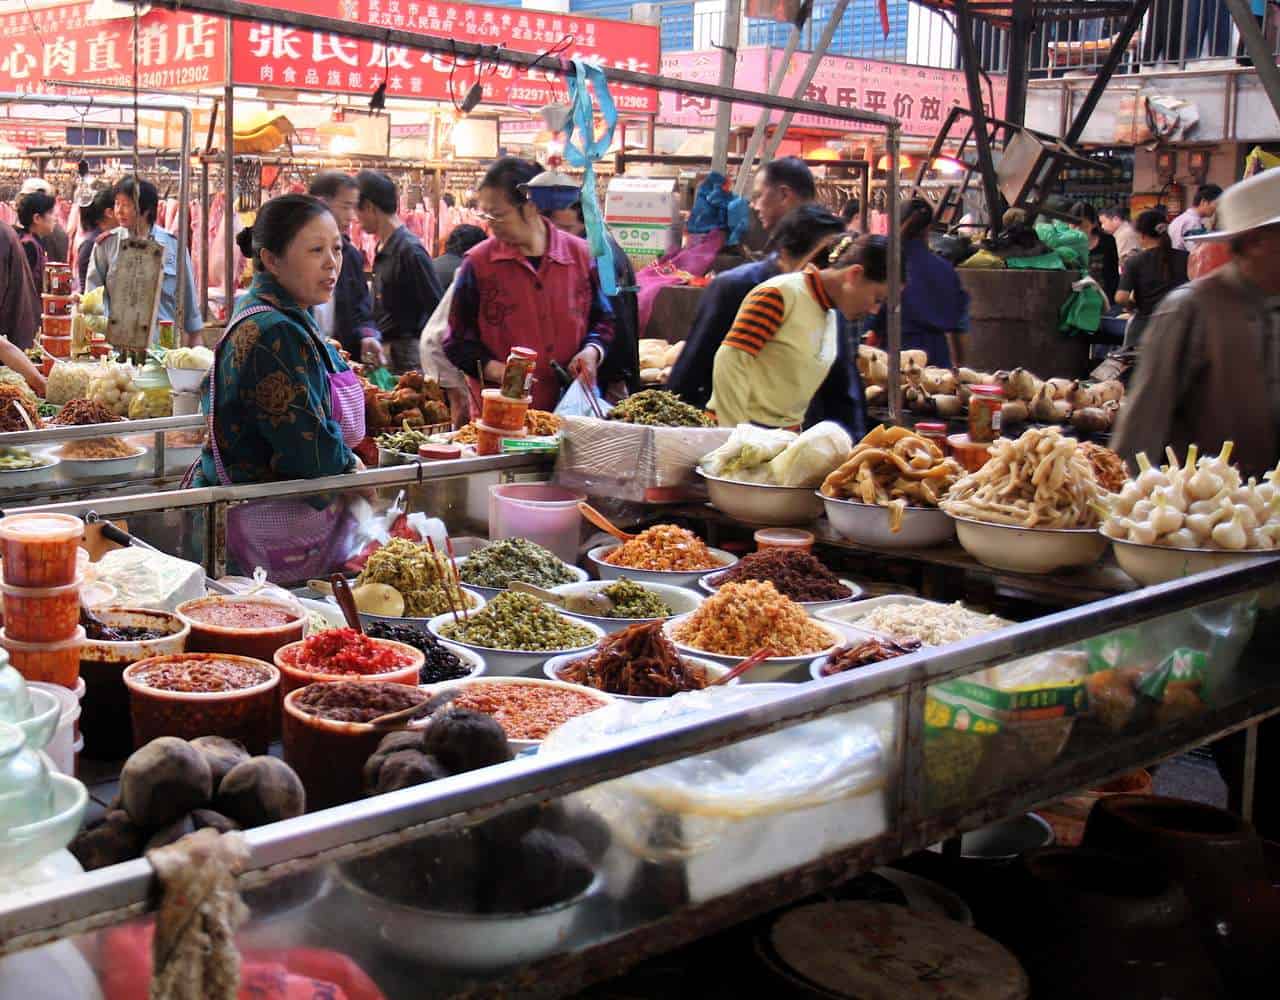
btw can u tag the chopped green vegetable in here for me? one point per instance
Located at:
(498, 564)
(630, 600)
(405, 440)
(519, 622)
(19, 459)
(424, 579)
(659, 408)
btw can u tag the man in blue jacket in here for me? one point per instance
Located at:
(348, 316)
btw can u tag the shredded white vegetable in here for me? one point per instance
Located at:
(932, 624)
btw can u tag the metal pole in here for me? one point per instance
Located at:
(806, 78)
(894, 325)
(1256, 45)
(729, 35)
(184, 238)
(204, 238)
(1103, 78)
(243, 11)
(1015, 105)
(229, 187)
(981, 138)
(762, 123)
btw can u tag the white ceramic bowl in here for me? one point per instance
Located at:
(177, 458)
(682, 578)
(470, 941)
(520, 745)
(186, 379)
(41, 723)
(489, 593)
(1152, 564)
(776, 668)
(868, 524)
(368, 619)
(23, 845)
(680, 600)
(13, 479)
(513, 662)
(810, 607)
(553, 666)
(99, 468)
(1029, 550)
(760, 503)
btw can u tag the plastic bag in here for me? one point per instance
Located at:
(575, 403)
(1068, 242)
(382, 378)
(805, 766)
(147, 579)
(808, 459)
(746, 455)
(1082, 312)
(716, 207)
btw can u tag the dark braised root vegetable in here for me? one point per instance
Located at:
(171, 832)
(113, 839)
(406, 768)
(259, 791)
(541, 869)
(164, 780)
(580, 823)
(207, 817)
(434, 873)
(222, 754)
(465, 741)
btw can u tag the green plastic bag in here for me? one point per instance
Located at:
(1082, 312)
(382, 378)
(1051, 261)
(1066, 241)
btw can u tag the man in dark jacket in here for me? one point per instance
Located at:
(348, 316)
(840, 397)
(405, 289)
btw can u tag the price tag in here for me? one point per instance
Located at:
(133, 287)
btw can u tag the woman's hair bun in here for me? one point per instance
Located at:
(244, 240)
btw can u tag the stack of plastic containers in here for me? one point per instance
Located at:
(41, 576)
(500, 417)
(55, 320)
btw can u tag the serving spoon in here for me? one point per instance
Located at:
(597, 605)
(602, 522)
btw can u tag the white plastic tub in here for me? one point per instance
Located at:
(64, 748)
(541, 512)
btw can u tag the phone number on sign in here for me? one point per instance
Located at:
(179, 76)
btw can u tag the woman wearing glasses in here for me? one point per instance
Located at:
(529, 285)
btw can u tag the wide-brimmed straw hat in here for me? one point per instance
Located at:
(1251, 204)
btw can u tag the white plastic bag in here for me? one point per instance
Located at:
(747, 453)
(575, 403)
(811, 457)
(147, 579)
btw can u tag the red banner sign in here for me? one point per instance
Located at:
(919, 96)
(269, 55)
(44, 47)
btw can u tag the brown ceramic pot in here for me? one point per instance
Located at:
(1109, 927)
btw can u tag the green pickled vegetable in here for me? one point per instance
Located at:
(19, 459)
(405, 440)
(630, 600)
(424, 578)
(520, 622)
(659, 408)
(502, 562)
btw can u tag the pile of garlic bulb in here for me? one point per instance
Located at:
(1202, 504)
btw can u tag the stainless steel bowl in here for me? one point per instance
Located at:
(759, 503)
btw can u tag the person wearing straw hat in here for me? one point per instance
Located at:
(1209, 371)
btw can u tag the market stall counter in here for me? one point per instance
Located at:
(487, 849)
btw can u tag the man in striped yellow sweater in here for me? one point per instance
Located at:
(783, 341)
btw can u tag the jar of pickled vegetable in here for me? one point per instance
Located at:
(985, 403)
(517, 379)
(154, 397)
(935, 432)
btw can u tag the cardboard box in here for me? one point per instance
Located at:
(643, 215)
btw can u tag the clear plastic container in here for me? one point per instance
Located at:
(56, 347)
(41, 614)
(62, 748)
(40, 550)
(489, 439)
(972, 455)
(793, 539)
(57, 305)
(48, 662)
(502, 412)
(55, 326)
(541, 512)
(26, 794)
